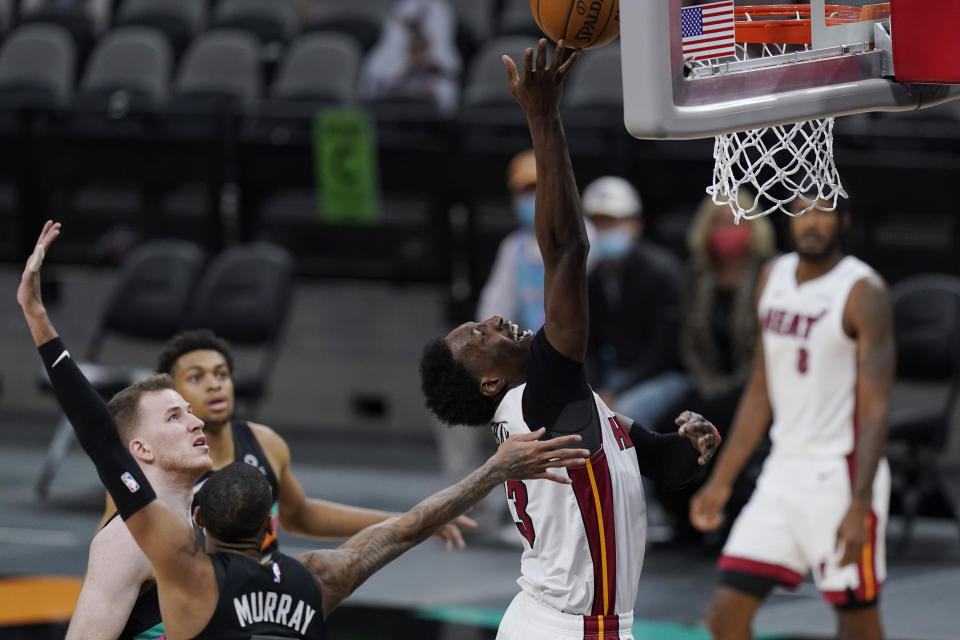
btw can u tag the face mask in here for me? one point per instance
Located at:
(729, 242)
(524, 208)
(611, 244)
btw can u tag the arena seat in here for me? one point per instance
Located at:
(268, 20)
(595, 81)
(927, 327)
(179, 20)
(37, 64)
(147, 304)
(361, 20)
(319, 67)
(134, 60)
(486, 77)
(219, 71)
(516, 20)
(244, 296)
(76, 19)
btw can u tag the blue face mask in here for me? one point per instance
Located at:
(524, 208)
(611, 244)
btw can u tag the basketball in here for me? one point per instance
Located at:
(584, 24)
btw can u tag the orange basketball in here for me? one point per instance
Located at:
(584, 24)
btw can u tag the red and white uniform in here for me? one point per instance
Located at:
(583, 543)
(790, 524)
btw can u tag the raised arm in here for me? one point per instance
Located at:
(342, 570)
(558, 224)
(169, 543)
(673, 459)
(869, 319)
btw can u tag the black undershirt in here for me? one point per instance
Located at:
(558, 398)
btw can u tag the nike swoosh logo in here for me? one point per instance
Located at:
(65, 354)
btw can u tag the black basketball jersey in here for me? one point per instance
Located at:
(275, 599)
(247, 449)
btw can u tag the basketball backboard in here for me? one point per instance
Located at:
(846, 68)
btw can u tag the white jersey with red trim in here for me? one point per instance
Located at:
(811, 363)
(584, 542)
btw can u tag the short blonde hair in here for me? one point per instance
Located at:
(762, 237)
(125, 405)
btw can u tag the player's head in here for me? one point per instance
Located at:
(615, 209)
(201, 365)
(156, 424)
(233, 505)
(522, 183)
(818, 233)
(465, 374)
(714, 238)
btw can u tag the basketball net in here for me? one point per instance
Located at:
(782, 165)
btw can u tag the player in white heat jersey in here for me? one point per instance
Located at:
(824, 370)
(583, 544)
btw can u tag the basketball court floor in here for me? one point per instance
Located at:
(337, 333)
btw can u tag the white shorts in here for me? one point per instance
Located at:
(528, 619)
(790, 526)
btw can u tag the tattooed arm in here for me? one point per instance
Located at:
(520, 457)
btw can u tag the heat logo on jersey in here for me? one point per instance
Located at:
(787, 323)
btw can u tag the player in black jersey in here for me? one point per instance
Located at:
(227, 592)
(201, 365)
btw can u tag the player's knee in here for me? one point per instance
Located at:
(722, 625)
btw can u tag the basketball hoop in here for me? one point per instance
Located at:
(784, 164)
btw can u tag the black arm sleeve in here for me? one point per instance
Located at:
(558, 397)
(667, 458)
(96, 431)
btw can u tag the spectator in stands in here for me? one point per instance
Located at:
(416, 58)
(719, 328)
(635, 290)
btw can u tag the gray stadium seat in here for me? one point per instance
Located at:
(137, 60)
(516, 19)
(268, 20)
(148, 304)
(319, 67)
(180, 20)
(487, 77)
(37, 65)
(596, 80)
(362, 20)
(476, 16)
(222, 66)
(926, 310)
(244, 297)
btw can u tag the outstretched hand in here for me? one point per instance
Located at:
(701, 432)
(538, 88)
(28, 293)
(525, 457)
(450, 533)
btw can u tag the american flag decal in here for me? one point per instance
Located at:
(708, 31)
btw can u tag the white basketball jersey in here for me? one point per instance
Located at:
(584, 542)
(811, 362)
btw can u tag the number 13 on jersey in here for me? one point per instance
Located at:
(517, 496)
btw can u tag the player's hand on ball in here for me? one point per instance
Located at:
(852, 533)
(28, 293)
(525, 457)
(701, 432)
(538, 88)
(706, 507)
(450, 532)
